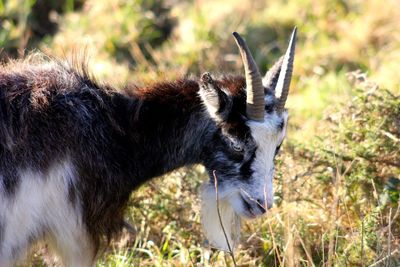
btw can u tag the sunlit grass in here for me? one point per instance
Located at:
(328, 210)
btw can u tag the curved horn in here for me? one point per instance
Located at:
(255, 103)
(285, 76)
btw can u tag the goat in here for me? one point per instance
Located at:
(72, 150)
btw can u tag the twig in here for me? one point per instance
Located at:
(190, 257)
(370, 159)
(394, 252)
(389, 235)
(362, 242)
(375, 193)
(220, 220)
(253, 199)
(323, 250)
(309, 258)
(334, 217)
(275, 245)
(391, 136)
(396, 214)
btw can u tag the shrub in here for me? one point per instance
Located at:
(355, 162)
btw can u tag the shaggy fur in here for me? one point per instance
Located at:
(72, 150)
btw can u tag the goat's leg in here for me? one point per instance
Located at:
(14, 247)
(74, 247)
(19, 229)
(6, 262)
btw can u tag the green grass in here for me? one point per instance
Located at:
(337, 197)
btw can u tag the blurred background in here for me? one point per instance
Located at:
(337, 183)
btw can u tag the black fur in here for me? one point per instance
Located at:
(117, 140)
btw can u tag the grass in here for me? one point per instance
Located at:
(337, 182)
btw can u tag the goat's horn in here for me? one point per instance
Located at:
(285, 76)
(255, 103)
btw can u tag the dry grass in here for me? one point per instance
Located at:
(331, 209)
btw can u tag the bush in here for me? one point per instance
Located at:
(355, 162)
(24, 25)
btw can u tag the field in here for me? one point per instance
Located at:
(337, 186)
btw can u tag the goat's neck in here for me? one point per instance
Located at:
(169, 133)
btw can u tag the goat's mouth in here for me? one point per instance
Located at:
(248, 210)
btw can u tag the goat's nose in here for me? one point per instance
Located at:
(264, 204)
(261, 205)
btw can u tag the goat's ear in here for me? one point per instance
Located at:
(216, 101)
(271, 77)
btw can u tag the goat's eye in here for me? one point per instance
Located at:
(236, 146)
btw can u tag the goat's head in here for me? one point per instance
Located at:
(250, 132)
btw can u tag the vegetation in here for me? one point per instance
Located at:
(338, 176)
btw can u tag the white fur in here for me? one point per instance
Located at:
(268, 137)
(210, 101)
(40, 209)
(211, 223)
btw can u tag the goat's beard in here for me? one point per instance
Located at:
(211, 221)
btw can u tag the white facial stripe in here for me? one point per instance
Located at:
(267, 136)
